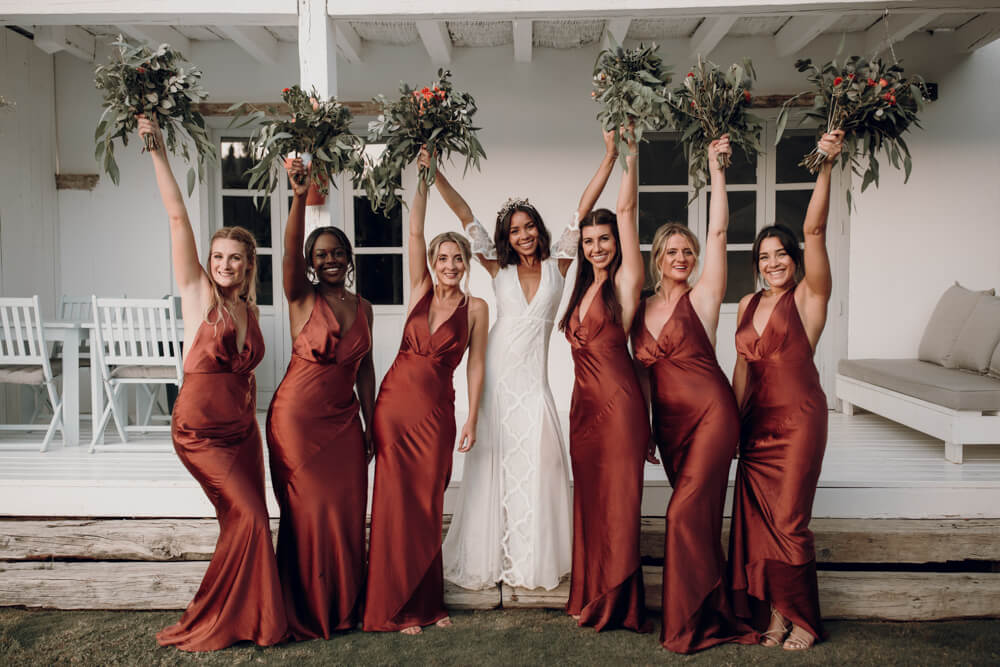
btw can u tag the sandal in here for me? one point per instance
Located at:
(774, 636)
(799, 639)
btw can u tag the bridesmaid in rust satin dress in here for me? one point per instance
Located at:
(695, 422)
(783, 434)
(215, 432)
(415, 431)
(609, 428)
(318, 448)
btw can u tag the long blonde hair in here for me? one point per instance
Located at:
(660, 245)
(463, 247)
(248, 290)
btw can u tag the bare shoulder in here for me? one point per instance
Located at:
(744, 302)
(367, 306)
(478, 307)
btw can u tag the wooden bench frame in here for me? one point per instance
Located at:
(956, 427)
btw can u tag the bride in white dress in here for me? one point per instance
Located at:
(513, 520)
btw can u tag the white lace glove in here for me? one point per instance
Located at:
(480, 240)
(569, 241)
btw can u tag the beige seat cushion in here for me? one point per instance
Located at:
(995, 363)
(949, 387)
(28, 374)
(132, 372)
(952, 310)
(980, 336)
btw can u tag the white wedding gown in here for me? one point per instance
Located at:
(513, 520)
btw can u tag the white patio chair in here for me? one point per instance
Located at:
(24, 359)
(137, 344)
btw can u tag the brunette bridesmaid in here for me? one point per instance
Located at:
(318, 447)
(609, 428)
(415, 430)
(695, 422)
(215, 432)
(784, 420)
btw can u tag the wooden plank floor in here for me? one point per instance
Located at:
(873, 468)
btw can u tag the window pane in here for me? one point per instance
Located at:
(235, 161)
(741, 169)
(241, 211)
(739, 275)
(380, 278)
(375, 230)
(788, 153)
(265, 281)
(662, 162)
(659, 208)
(742, 216)
(790, 209)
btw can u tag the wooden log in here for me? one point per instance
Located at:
(76, 181)
(141, 586)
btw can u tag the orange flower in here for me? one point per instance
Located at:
(285, 90)
(746, 95)
(837, 81)
(883, 83)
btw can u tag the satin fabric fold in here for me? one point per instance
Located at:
(696, 428)
(414, 436)
(783, 438)
(319, 471)
(216, 437)
(608, 435)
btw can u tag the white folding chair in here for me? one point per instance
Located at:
(137, 344)
(24, 359)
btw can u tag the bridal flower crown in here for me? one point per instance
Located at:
(510, 205)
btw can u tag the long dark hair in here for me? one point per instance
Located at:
(788, 241)
(585, 270)
(345, 243)
(506, 255)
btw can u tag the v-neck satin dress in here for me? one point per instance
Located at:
(783, 437)
(696, 426)
(414, 438)
(319, 471)
(609, 431)
(215, 433)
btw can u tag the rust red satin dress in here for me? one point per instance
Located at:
(320, 475)
(696, 426)
(215, 433)
(414, 437)
(783, 437)
(608, 434)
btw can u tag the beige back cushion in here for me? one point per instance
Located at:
(979, 337)
(995, 363)
(946, 323)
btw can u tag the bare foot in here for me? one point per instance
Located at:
(412, 630)
(444, 622)
(575, 617)
(776, 631)
(799, 639)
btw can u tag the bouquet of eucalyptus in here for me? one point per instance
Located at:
(436, 116)
(319, 131)
(873, 103)
(631, 86)
(159, 84)
(4, 102)
(708, 104)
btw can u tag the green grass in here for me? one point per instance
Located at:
(508, 637)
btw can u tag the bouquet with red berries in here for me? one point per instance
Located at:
(318, 130)
(161, 85)
(873, 103)
(709, 103)
(436, 116)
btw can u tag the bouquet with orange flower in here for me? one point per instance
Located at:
(436, 116)
(873, 103)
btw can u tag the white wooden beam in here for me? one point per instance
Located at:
(523, 36)
(800, 30)
(879, 36)
(258, 42)
(978, 32)
(154, 35)
(348, 41)
(148, 12)
(710, 33)
(617, 28)
(436, 40)
(74, 40)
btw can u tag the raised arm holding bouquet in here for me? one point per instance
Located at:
(435, 116)
(711, 103)
(873, 103)
(159, 85)
(319, 131)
